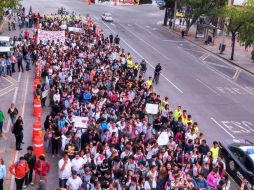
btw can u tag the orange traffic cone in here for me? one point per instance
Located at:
(37, 108)
(38, 146)
(37, 130)
(36, 82)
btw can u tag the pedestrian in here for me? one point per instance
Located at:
(9, 67)
(2, 66)
(111, 38)
(31, 159)
(42, 169)
(117, 41)
(19, 170)
(182, 33)
(2, 173)
(20, 60)
(74, 182)
(2, 118)
(56, 136)
(252, 55)
(18, 132)
(13, 112)
(64, 166)
(28, 59)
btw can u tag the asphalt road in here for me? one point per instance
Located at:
(219, 96)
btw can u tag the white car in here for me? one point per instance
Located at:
(5, 44)
(107, 17)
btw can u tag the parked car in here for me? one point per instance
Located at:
(5, 44)
(239, 158)
(107, 17)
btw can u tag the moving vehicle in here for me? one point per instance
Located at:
(161, 4)
(5, 44)
(239, 159)
(107, 17)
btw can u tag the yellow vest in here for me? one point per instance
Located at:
(149, 83)
(129, 64)
(136, 67)
(215, 152)
(177, 114)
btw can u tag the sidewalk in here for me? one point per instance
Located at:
(242, 57)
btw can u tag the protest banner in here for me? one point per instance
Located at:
(75, 29)
(163, 139)
(45, 36)
(80, 122)
(152, 108)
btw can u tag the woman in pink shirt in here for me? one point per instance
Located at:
(213, 178)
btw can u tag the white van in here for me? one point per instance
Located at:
(5, 44)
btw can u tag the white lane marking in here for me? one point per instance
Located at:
(219, 65)
(9, 120)
(208, 87)
(186, 49)
(112, 24)
(143, 58)
(205, 56)
(148, 26)
(6, 92)
(154, 29)
(176, 41)
(237, 73)
(221, 74)
(22, 115)
(155, 49)
(129, 25)
(96, 18)
(222, 128)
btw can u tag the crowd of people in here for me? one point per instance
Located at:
(90, 76)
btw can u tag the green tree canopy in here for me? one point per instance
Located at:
(240, 21)
(7, 4)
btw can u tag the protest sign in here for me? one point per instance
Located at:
(163, 139)
(75, 29)
(80, 122)
(152, 108)
(45, 36)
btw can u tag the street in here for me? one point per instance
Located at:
(218, 95)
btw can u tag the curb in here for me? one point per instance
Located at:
(229, 61)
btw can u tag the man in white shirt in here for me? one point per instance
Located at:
(64, 166)
(74, 182)
(78, 164)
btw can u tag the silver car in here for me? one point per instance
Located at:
(107, 17)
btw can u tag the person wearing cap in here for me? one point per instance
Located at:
(31, 159)
(42, 169)
(64, 166)
(74, 182)
(19, 170)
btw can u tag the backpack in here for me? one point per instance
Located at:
(86, 186)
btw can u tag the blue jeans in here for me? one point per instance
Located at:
(13, 120)
(27, 65)
(2, 70)
(62, 183)
(9, 70)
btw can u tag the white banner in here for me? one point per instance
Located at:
(75, 29)
(163, 139)
(44, 35)
(80, 122)
(152, 108)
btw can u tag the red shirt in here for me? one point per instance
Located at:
(19, 169)
(42, 167)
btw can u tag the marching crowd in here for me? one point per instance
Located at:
(91, 77)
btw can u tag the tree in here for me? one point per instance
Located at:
(169, 4)
(7, 4)
(240, 22)
(196, 8)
